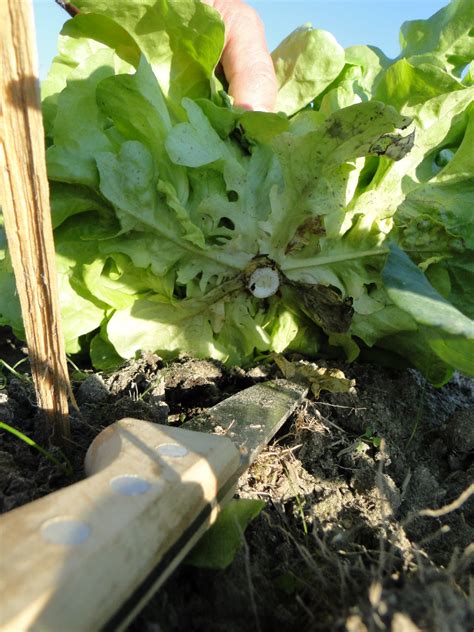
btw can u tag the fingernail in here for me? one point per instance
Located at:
(253, 108)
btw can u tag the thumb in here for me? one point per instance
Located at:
(246, 61)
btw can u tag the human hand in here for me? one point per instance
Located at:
(246, 61)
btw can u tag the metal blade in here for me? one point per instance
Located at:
(251, 417)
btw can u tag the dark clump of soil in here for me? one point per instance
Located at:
(369, 516)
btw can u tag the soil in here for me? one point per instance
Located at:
(369, 517)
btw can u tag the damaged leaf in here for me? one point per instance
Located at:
(327, 308)
(319, 378)
(394, 147)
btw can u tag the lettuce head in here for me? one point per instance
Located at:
(183, 224)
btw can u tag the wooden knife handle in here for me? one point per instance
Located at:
(69, 560)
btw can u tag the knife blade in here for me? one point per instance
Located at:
(89, 556)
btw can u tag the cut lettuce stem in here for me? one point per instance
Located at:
(264, 282)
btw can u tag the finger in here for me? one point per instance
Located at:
(247, 64)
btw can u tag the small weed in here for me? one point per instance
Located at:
(419, 411)
(369, 438)
(153, 385)
(78, 375)
(66, 466)
(12, 369)
(297, 499)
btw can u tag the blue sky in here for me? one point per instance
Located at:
(373, 22)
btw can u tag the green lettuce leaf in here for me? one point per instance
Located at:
(181, 40)
(219, 545)
(445, 39)
(448, 332)
(342, 223)
(306, 62)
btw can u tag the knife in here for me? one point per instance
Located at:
(89, 556)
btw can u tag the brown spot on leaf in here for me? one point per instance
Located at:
(336, 129)
(312, 226)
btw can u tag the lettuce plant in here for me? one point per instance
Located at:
(183, 224)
